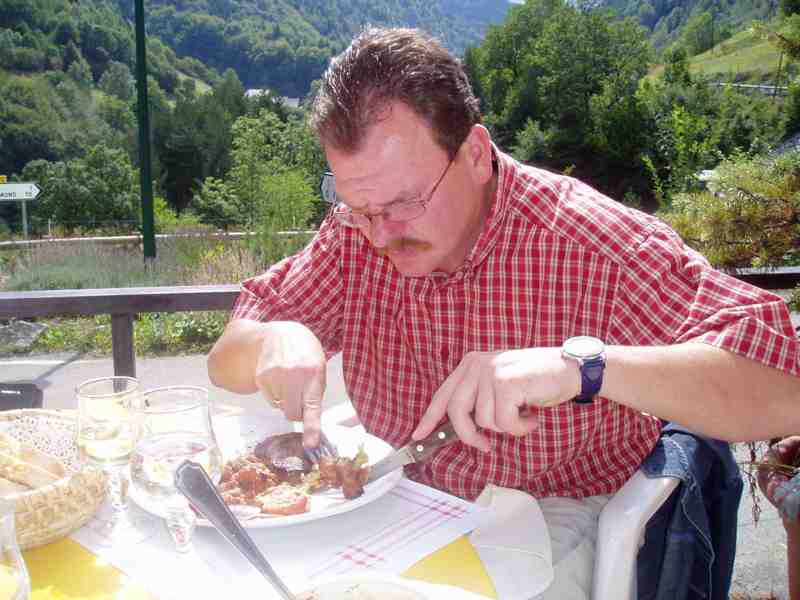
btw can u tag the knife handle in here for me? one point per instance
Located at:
(424, 448)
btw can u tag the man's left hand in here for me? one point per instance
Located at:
(500, 391)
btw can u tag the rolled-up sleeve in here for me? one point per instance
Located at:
(669, 294)
(305, 287)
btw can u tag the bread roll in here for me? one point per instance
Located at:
(28, 454)
(23, 472)
(8, 487)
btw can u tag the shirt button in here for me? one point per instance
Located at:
(445, 354)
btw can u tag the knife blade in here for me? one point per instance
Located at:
(413, 452)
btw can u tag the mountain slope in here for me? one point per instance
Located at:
(668, 19)
(285, 44)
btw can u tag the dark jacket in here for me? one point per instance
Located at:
(690, 543)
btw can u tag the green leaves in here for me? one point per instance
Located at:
(272, 179)
(99, 188)
(749, 217)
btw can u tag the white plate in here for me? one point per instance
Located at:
(238, 434)
(385, 587)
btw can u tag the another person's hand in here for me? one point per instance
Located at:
(290, 373)
(780, 488)
(500, 391)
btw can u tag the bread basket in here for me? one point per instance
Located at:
(52, 511)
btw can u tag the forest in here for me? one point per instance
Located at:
(564, 86)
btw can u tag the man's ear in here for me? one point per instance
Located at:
(478, 148)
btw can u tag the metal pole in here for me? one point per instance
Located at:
(777, 77)
(145, 178)
(24, 221)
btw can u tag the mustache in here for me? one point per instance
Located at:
(402, 244)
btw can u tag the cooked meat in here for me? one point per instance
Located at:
(285, 455)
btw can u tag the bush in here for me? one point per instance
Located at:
(154, 334)
(751, 218)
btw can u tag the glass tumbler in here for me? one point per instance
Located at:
(173, 424)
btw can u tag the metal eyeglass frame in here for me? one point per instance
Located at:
(347, 216)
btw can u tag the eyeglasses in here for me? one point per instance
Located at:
(397, 212)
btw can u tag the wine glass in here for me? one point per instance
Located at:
(173, 425)
(105, 440)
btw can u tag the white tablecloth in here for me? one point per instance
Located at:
(388, 535)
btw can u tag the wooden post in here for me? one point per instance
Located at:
(122, 345)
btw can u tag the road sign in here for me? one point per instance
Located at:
(18, 191)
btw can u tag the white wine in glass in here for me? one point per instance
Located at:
(106, 435)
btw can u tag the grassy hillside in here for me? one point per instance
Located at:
(668, 20)
(743, 58)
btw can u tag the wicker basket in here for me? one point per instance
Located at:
(51, 512)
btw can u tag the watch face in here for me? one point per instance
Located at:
(584, 346)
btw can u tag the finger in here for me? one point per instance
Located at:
(461, 407)
(312, 412)
(267, 393)
(511, 415)
(438, 406)
(326, 445)
(484, 404)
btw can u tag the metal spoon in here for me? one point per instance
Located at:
(193, 482)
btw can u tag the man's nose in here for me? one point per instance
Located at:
(382, 231)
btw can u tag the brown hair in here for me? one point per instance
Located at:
(383, 65)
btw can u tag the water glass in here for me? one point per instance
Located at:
(173, 424)
(15, 584)
(105, 439)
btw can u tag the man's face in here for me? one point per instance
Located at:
(401, 162)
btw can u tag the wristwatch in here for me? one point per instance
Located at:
(590, 354)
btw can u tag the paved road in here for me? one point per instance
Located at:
(760, 564)
(57, 376)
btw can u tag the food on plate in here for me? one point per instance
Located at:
(23, 467)
(278, 478)
(284, 499)
(349, 474)
(285, 455)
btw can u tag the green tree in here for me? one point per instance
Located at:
(698, 34)
(81, 73)
(118, 81)
(750, 217)
(264, 146)
(98, 190)
(676, 66)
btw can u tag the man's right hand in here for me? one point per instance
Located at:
(282, 359)
(290, 373)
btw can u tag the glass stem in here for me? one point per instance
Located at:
(118, 487)
(181, 522)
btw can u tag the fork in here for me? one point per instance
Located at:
(325, 448)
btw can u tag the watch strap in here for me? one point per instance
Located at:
(591, 378)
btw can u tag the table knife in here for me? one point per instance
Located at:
(413, 452)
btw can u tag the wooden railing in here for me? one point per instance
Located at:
(123, 304)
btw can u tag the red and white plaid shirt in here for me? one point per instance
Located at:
(555, 259)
